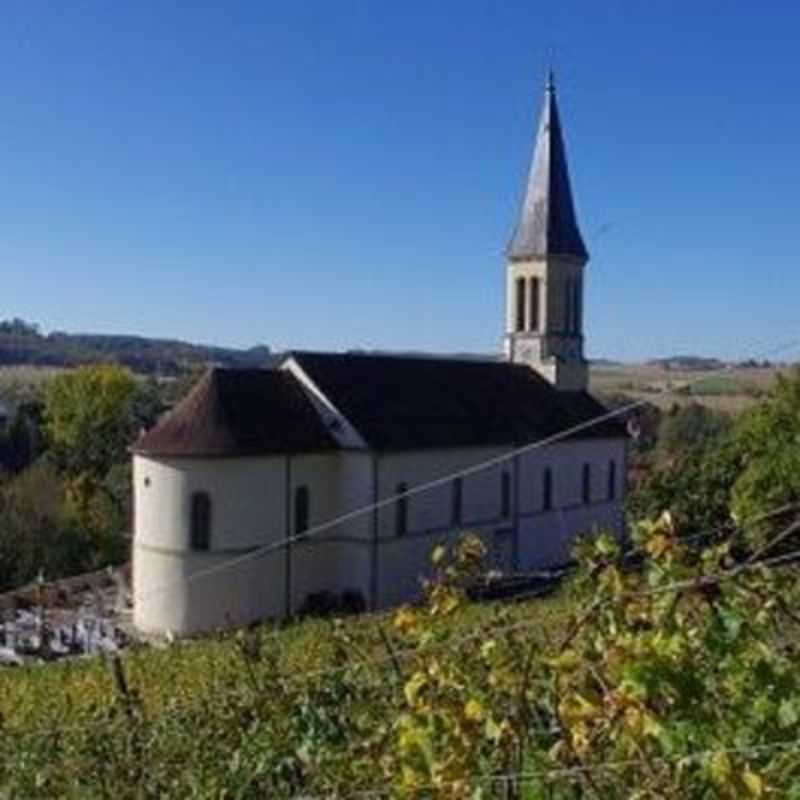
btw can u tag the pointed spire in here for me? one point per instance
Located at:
(547, 224)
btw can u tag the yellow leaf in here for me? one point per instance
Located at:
(720, 768)
(753, 783)
(650, 726)
(488, 647)
(438, 554)
(492, 730)
(414, 686)
(575, 707)
(658, 545)
(405, 619)
(580, 738)
(473, 711)
(565, 662)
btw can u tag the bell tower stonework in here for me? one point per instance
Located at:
(546, 260)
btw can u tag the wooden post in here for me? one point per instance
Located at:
(120, 683)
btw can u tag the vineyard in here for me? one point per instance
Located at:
(672, 678)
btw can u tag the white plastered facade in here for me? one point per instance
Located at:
(249, 573)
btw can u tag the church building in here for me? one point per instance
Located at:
(338, 472)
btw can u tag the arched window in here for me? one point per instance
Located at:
(586, 484)
(533, 320)
(401, 510)
(612, 480)
(301, 509)
(200, 521)
(457, 498)
(505, 494)
(547, 489)
(577, 306)
(520, 305)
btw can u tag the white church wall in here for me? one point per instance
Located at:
(317, 559)
(403, 560)
(249, 498)
(546, 537)
(356, 494)
(247, 512)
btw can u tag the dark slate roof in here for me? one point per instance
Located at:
(547, 223)
(405, 403)
(239, 412)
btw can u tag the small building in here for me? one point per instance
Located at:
(340, 472)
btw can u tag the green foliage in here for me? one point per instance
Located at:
(768, 437)
(729, 475)
(695, 488)
(89, 418)
(673, 680)
(37, 532)
(24, 440)
(83, 428)
(690, 427)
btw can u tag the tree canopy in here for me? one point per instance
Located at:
(733, 474)
(89, 418)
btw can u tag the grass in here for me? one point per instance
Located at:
(197, 672)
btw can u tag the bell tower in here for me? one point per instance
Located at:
(546, 260)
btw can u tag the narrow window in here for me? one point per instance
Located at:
(505, 495)
(301, 506)
(401, 510)
(200, 526)
(577, 306)
(457, 498)
(533, 322)
(547, 489)
(587, 484)
(567, 306)
(520, 320)
(612, 480)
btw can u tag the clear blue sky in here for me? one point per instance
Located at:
(342, 174)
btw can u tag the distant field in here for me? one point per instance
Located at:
(731, 390)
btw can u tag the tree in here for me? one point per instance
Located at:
(695, 488)
(23, 442)
(90, 421)
(690, 427)
(768, 439)
(36, 531)
(731, 478)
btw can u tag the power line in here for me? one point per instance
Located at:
(698, 582)
(577, 771)
(314, 531)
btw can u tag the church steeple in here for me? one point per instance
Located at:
(547, 224)
(546, 257)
